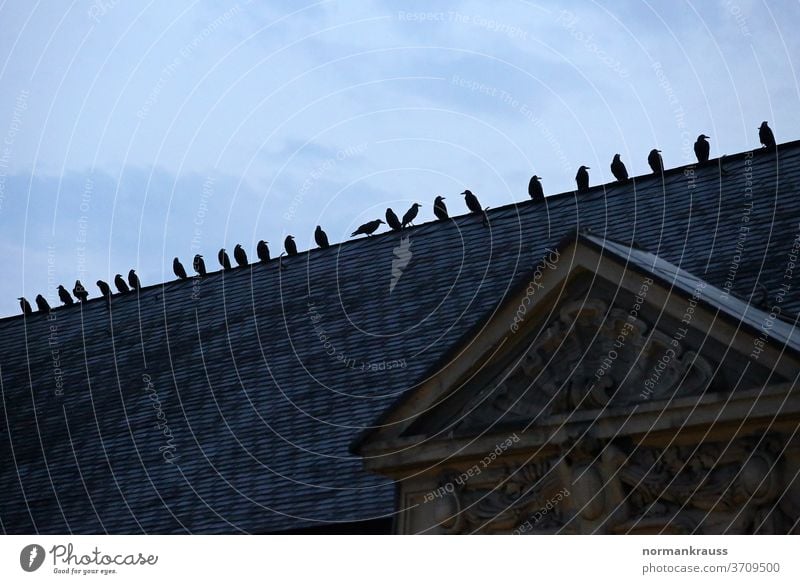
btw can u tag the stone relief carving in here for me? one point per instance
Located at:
(590, 357)
(742, 486)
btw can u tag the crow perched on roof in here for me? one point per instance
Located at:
(655, 161)
(321, 238)
(42, 304)
(766, 136)
(179, 270)
(105, 289)
(289, 245)
(702, 148)
(392, 220)
(618, 169)
(240, 255)
(472, 202)
(119, 282)
(199, 265)
(411, 214)
(262, 251)
(25, 306)
(582, 178)
(80, 292)
(133, 280)
(64, 296)
(224, 260)
(368, 228)
(440, 209)
(535, 190)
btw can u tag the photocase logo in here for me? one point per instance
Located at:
(402, 255)
(31, 557)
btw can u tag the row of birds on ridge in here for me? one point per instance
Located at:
(535, 191)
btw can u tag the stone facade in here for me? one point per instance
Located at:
(609, 410)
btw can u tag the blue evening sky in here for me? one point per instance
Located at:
(132, 132)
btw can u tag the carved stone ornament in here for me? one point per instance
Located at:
(743, 486)
(590, 357)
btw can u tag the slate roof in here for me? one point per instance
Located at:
(783, 332)
(260, 415)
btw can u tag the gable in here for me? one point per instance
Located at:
(588, 332)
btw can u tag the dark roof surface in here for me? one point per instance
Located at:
(781, 332)
(260, 415)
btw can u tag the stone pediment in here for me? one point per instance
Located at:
(612, 328)
(607, 330)
(612, 393)
(591, 356)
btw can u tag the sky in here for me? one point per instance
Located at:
(134, 132)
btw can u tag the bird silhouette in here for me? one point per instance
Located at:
(766, 136)
(80, 292)
(179, 270)
(105, 289)
(411, 214)
(321, 238)
(42, 304)
(535, 190)
(702, 148)
(25, 306)
(240, 255)
(392, 220)
(199, 265)
(582, 178)
(64, 296)
(119, 282)
(655, 161)
(472, 202)
(290, 246)
(224, 260)
(133, 280)
(262, 250)
(368, 228)
(440, 209)
(618, 169)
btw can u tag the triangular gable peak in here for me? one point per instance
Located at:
(598, 329)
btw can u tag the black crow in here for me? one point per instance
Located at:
(262, 251)
(321, 238)
(199, 265)
(224, 260)
(133, 280)
(177, 267)
(655, 161)
(80, 292)
(64, 296)
(25, 306)
(119, 282)
(411, 214)
(766, 136)
(42, 304)
(535, 190)
(240, 255)
(392, 220)
(368, 228)
(440, 209)
(105, 289)
(582, 178)
(472, 202)
(289, 245)
(618, 169)
(702, 148)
